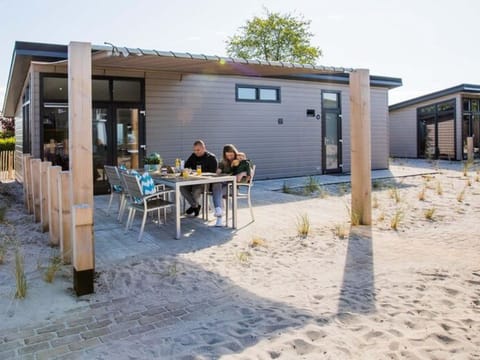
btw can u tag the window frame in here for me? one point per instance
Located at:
(257, 89)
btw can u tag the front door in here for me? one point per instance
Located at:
(331, 132)
(117, 138)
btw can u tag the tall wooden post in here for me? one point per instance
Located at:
(53, 206)
(469, 148)
(360, 130)
(81, 164)
(35, 165)
(44, 194)
(27, 183)
(65, 205)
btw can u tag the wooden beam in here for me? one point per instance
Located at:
(27, 183)
(65, 204)
(360, 134)
(469, 149)
(44, 195)
(81, 164)
(35, 167)
(53, 205)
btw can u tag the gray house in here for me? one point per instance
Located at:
(436, 125)
(290, 119)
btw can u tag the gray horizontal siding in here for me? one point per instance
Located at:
(181, 109)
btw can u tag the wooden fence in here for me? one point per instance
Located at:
(7, 171)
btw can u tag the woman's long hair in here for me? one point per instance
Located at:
(229, 148)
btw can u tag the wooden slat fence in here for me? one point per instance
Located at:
(7, 170)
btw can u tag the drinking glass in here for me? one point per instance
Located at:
(199, 169)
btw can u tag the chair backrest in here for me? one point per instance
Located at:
(133, 186)
(113, 176)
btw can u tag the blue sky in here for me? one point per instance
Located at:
(430, 44)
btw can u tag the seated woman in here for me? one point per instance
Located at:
(241, 167)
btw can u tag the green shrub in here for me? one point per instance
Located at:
(7, 144)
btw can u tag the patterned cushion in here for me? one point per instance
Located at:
(148, 186)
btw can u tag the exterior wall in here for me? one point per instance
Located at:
(19, 143)
(181, 109)
(403, 128)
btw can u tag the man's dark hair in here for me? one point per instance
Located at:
(199, 142)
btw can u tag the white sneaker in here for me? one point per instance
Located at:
(218, 212)
(219, 222)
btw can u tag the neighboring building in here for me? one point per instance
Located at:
(290, 119)
(436, 125)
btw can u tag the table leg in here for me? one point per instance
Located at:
(177, 212)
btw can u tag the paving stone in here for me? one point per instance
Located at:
(84, 344)
(95, 333)
(154, 311)
(212, 338)
(18, 335)
(121, 334)
(123, 326)
(127, 317)
(9, 346)
(141, 329)
(99, 324)
(77, 322)
(71, 331)
(151, 319)
(52, 353)
(7, 355)
(65, 340)
(33, 348)
(51, 328)
(100, 304)
(77, 355)
(166, 322)
(39, 338)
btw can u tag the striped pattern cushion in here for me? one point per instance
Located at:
(146, 182)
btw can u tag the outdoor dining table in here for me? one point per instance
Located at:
(176, 181)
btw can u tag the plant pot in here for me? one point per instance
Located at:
(152, 167)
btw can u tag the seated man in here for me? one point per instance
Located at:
(208, 161)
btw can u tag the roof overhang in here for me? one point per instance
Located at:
(462, 88)
(113, 57)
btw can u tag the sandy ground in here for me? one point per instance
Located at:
(339, 293)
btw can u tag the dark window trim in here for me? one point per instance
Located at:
(112, 104)
(337, 111)
(257, 93)
(435, 115)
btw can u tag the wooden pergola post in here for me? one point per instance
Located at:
(469, 149)
(27, 182)
(65, 205)
(35, 165)
(360, 130)
(44, 217)
(53, 205)
(81, 164)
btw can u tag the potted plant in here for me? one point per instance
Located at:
(153, 162)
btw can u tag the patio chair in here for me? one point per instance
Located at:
(145, 203)
(244, 190)
(116, 187)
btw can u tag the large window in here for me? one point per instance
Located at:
(251, 93)
(436, 130)
(471, 124)
(54, 110)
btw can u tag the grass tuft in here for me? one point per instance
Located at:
(439, 188)
(20, 279)
(341, 231)
(466, 167)
(461, 195)
(375, 202)
(286, 188)
(422, 194)
(311, 185)
(54, 265)
(395, 194)
(396, 219)
(258, 242)
(3, 251)
(381, 217)
(243, 257)
(429, 213)
(303, 225)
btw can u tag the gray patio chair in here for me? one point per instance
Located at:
(116, 187)
(145, 203)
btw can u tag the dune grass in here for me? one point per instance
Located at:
(20, 279)
(303, 225)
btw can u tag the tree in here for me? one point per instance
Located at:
(278, 37)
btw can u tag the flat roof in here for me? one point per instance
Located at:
(110, 56)
(462, 88)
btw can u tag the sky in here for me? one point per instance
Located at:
(429, 44)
